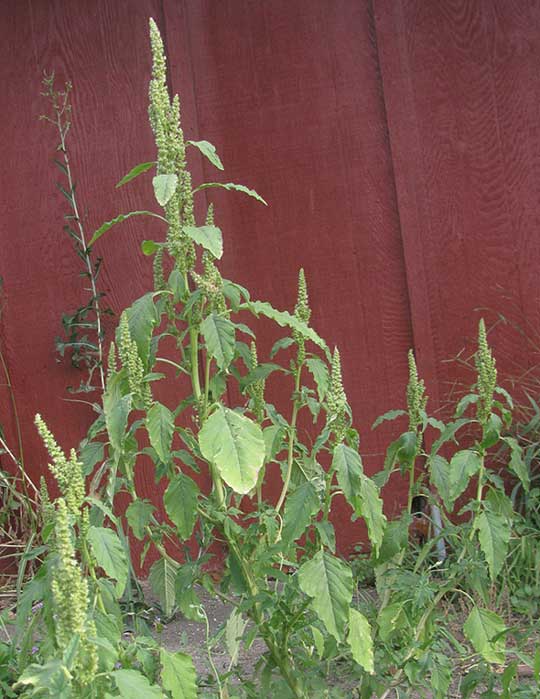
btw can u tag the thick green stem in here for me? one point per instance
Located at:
(292, 438)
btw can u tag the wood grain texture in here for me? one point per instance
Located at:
(461, 90)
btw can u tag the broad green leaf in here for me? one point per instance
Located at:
(448, 433)
(360, 641)
(149, 247)
(109, 554)
(283, 343)
(464, 403)
(371, 509)
(209, 151)
(160, 426)
(300, 506)
(396, 538)
(259, 373)
(209, 237)
(135, 172)
(390, 415)
(162, 578)
(235, 445)
(273, 440)
(178, 674)
(131, 683)
(481, 628)
(232, 187)
(164, 188)
(318, 640)
(389, 619)
(462, 467)
(328, 581)
(116, 409)
(284, 319)
(181, 500)
(439, 470)
(441, 676)
(516, 464)
(402, 451)
(119, 219)
(187, 599)
(52, 678)
(319, 371)
(138, 514)
(142, 319)
(494, 535)
(327, 533)
(219, 338)
(234, 630)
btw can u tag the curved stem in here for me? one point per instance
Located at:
(292, 437)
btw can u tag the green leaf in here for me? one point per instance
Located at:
(164, 188)
(281, 344)
(329, 582)
(439, 469)
(464, 403)
(234, 630)
(300, 506)
(142, 319)
(119, 219)
(135, 172)
(160, 426)
(319, 371)
(463, 466)
(161, 577)
(494, 535)
(116, 409)
(232, 187)
(284, 319)
(178, 674)
(516, 464)
(448, 433)
(235, 445)
(138, 514)
(110, 555)
(149, 247)
(390, 415)
(484, 630)
(181, 500)
(209, 237)
(131, 683)
(402, 451)
(219, 338)
(273, 441)
(371, 509)
(360, 641)
(53, 678)
(209, 151)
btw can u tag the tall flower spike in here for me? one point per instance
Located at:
(70, 594)
(487, 375)
(336, 400)
(112, 367)
(132, 363)
(256, 389)
(68, 473)
(416, 398)
(302, 311)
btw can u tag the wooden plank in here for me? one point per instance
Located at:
(461, 95)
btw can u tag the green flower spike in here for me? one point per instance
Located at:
(416, 398)
(132, 363)
(256, 389)
(68, 473)
(112, 366)
(336, 400)
(487, 375)
(70, 594)
(302, 311)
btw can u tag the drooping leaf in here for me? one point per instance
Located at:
(439, 470)
(319, 371)
(131, 683)
(139, 513)
(52, 678)
(160, 426)
(235, 445)
(464, 403)
(119, 219)
(162, 581)
(116, 408)
(517, 464)
(181, 499)
(448, 433)
(360, 641)
(484, 630)
(209, 237)
(109, 554)
(178, 674)
(494, 535)
(463, 466)
(402, 451)
(273, 440)
(135, 172)
(142, 318)
(281, 344)
(234, 630)
(219, 338)
(232, 187)
(149, 247)
(284, 319)
(209, 151)
(371, 509)
(300, 506)
(164, 187)
(390, 415)
(328, 581)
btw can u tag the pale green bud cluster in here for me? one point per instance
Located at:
(211, 283)
(302, 311)
(336, 400)
(487, 375)
(132, 363)
(256, 389)
(210, 215)
(68, 472)
(165, 121)
(70, 594)
(47, 508)
(112, 366)
(416, 398)
(157, 268)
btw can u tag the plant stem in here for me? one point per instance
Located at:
(292, 437)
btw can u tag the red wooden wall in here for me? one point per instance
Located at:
(396, 142)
